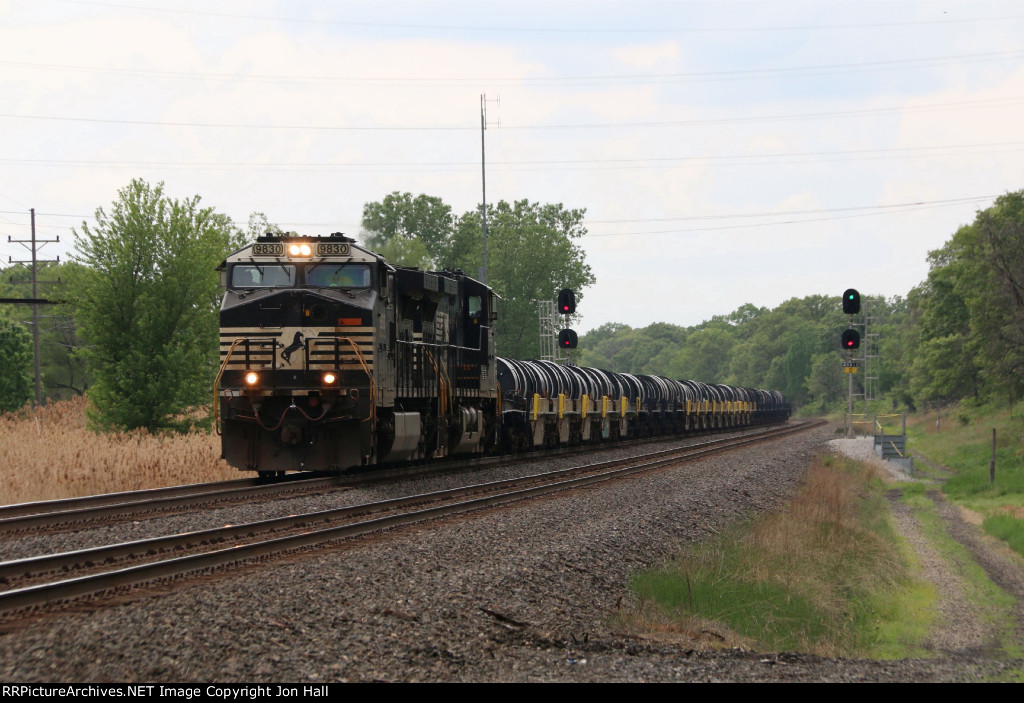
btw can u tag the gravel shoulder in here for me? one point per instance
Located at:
(527, 593)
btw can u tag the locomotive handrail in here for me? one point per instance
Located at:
(442, 396)
(220, 374)
(216, 383)
(446, 398)
(438, 345)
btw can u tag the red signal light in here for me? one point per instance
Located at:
(566, 302)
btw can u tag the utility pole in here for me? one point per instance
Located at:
(35, 245)
(483, 177)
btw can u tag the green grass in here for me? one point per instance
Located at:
(828, 575)
(964, 444)
(766, 612)
(1007, 528)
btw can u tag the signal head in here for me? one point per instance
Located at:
(851, 302)
(567, 339)
(566, 302)
(851, 339)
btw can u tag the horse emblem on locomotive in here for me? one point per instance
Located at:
(331, 358)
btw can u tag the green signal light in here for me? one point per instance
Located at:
(851, 301)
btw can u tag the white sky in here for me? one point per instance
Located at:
(725, 152)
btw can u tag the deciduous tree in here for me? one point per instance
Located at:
(146, 302)
(408, 231)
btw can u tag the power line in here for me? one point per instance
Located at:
(931, 151)
(909, 208)
(855, 211)
(614, 79)
(543, 30)
(788, 213)
(593, 125)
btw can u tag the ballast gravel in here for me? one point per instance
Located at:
(522, 593)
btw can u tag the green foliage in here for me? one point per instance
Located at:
(146, 301)
(63, 372)
(409, 231)
(16, 377)
(793, 348)
(400, 251)
(1007, 528)
(972, 478)
(968, 337)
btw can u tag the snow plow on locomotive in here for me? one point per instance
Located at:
(331, 358)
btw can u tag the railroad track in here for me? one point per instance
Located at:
(72, 513)
(42, 583)
(56, 515)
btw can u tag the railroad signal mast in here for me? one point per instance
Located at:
(567, 338)
(850, 341)
(556, 339)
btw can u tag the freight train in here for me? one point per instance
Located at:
(331, 358)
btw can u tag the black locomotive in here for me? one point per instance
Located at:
(331, 358)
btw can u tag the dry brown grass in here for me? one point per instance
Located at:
(49, 453)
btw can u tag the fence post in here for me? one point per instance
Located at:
(992, 461)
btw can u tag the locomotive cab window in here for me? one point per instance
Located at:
(474, 318)
(338, 275)
(262, 275)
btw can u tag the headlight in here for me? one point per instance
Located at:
(300, 249)
(329, 378)
(252, 378)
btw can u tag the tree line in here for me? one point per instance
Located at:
(137, 327)
(958, 335)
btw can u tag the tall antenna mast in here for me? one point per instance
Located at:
(483, 177)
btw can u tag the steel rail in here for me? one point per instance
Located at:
(70, 511)
(500, 492)
(56, 515)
